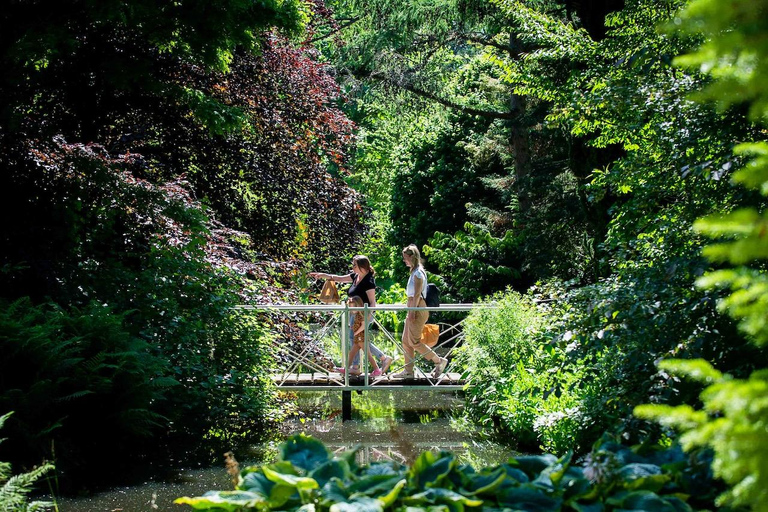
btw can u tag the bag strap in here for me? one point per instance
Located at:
(424, 287)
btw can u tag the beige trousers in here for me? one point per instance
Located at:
(412, 338)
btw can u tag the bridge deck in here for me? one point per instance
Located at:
(335, 381)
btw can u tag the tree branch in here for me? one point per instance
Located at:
(335, 31)
(489, 42)
(490, 114)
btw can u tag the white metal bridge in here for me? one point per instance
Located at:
(327, 331)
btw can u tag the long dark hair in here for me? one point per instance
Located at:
(364, 263)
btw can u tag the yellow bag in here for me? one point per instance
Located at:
(430, 334)
(329, 293)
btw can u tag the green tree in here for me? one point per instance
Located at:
(735, 411)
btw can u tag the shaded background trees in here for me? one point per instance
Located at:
(135, 138)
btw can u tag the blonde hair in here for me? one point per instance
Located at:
(355, 301)
(415, 255)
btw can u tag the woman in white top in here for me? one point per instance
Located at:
(415, 320)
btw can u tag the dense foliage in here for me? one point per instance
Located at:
(615, 477)
(159, 164)
(735, 411)
(596, 164)
(16, 488)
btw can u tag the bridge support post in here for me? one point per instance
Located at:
(346, 406)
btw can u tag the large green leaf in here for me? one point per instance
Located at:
(430, 469)
(515, 473)
(335, 491)
(533, 465)
(484, 482)
(304, 452)
(223, 500)
(434, 496)
(299, 482)
(331, 469)
(362, 504)
(371, 485)
(528, 498)
(388, 499)
(641, 500)
(587, 507)
(637, 476)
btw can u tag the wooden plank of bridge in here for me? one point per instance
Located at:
(325, 379)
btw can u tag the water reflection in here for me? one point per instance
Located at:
(386, 425)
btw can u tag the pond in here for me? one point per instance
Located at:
(386, 425)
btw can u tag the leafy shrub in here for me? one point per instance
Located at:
(476, 262)
(306, 478)
(558, 370)
(148, 336)
(515, 383)
(734, 415)
(14, 490)
(60, 367)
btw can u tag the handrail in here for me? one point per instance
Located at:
(369, 312)
(379, 307)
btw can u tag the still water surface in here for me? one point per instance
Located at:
(386, 425)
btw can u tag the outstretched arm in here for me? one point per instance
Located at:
(333, 277)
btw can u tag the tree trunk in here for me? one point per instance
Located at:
(518, 135)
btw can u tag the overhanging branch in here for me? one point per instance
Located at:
(490, 114)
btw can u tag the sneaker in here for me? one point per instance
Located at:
(403, 375)
(376, 373)
(440, 367)
(386, 361)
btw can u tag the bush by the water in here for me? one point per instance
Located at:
(614, 477)
(15, 489)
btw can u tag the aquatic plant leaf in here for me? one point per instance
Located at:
(331, 469)
(388, 499)
(373, 484)
(298, 482)
(534, 464)
(429, 470)
(253, 479)
(587, 507)
(256, 482)
(515, 473)
(358, 505)
(678, 504)
(528, 498)
(485, 482)
(334, 491)
(223, 500)
(639, 476)
(281, 494)
(350, 456)
(381, 468)
(438, 495)
(575, 488)
(304, 452)
(641, 500)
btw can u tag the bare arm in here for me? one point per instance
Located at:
(333, 277)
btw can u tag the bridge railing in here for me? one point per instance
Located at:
(300, 368)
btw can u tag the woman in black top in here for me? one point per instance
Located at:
(363, 286)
